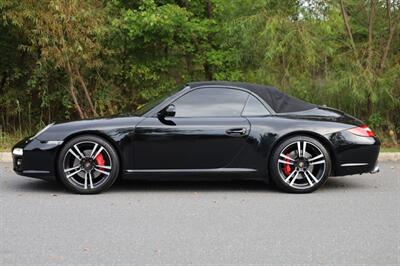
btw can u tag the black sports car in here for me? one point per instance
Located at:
(208, 130)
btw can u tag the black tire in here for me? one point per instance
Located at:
(299, 171)
(100, 177)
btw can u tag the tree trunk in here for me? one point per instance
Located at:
(347, 25)
(207, 71)
(3, 80)
(189, 65)
(207, 68)
(387, 47)
(388, 13)
(74, 99)
(85, 89)
(392, 30)
(370, 29)
(71, 90)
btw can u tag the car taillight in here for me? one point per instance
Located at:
(363, 131)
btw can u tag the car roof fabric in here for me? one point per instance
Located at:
(279, 101)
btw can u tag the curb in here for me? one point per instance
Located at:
(389, 156)
(5, 157)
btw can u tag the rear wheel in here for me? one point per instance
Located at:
(300, 164)
(87, 165)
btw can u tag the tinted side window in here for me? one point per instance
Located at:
(254, 108)
(211, 102)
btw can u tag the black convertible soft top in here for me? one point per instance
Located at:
(279, 101)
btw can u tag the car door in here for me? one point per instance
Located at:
(206, 132)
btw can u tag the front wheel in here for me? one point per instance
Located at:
(300, 165)
(88, 165)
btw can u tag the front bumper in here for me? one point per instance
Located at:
(37, 159)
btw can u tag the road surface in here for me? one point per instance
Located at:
(351, 220)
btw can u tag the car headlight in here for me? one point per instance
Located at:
(18, 151)
(41, 131)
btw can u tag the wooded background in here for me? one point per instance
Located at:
(69, 59)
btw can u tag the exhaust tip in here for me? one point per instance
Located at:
(375, 170)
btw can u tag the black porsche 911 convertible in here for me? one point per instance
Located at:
(206, 130)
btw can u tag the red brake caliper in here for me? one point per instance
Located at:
(286, 168)
(100, 160)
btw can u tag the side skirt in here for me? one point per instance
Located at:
(175, 171)
(192, 174)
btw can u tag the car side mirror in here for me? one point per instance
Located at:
(168, 111)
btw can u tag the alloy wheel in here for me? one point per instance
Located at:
(301, 165)
(87, 165)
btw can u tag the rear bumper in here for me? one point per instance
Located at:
(354, 154)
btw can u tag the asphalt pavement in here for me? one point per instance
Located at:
(351, 220)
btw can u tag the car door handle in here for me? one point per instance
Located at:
(236, 132)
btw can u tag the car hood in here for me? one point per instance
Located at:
(325, 114)
(60, 131)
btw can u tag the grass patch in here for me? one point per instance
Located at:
(7, 141)
(390, 149)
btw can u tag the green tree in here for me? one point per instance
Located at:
(68, 59)
(64, 34)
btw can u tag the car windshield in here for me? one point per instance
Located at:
(151, 104)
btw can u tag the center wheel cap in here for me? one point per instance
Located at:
(302, 164)
(87, 164)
